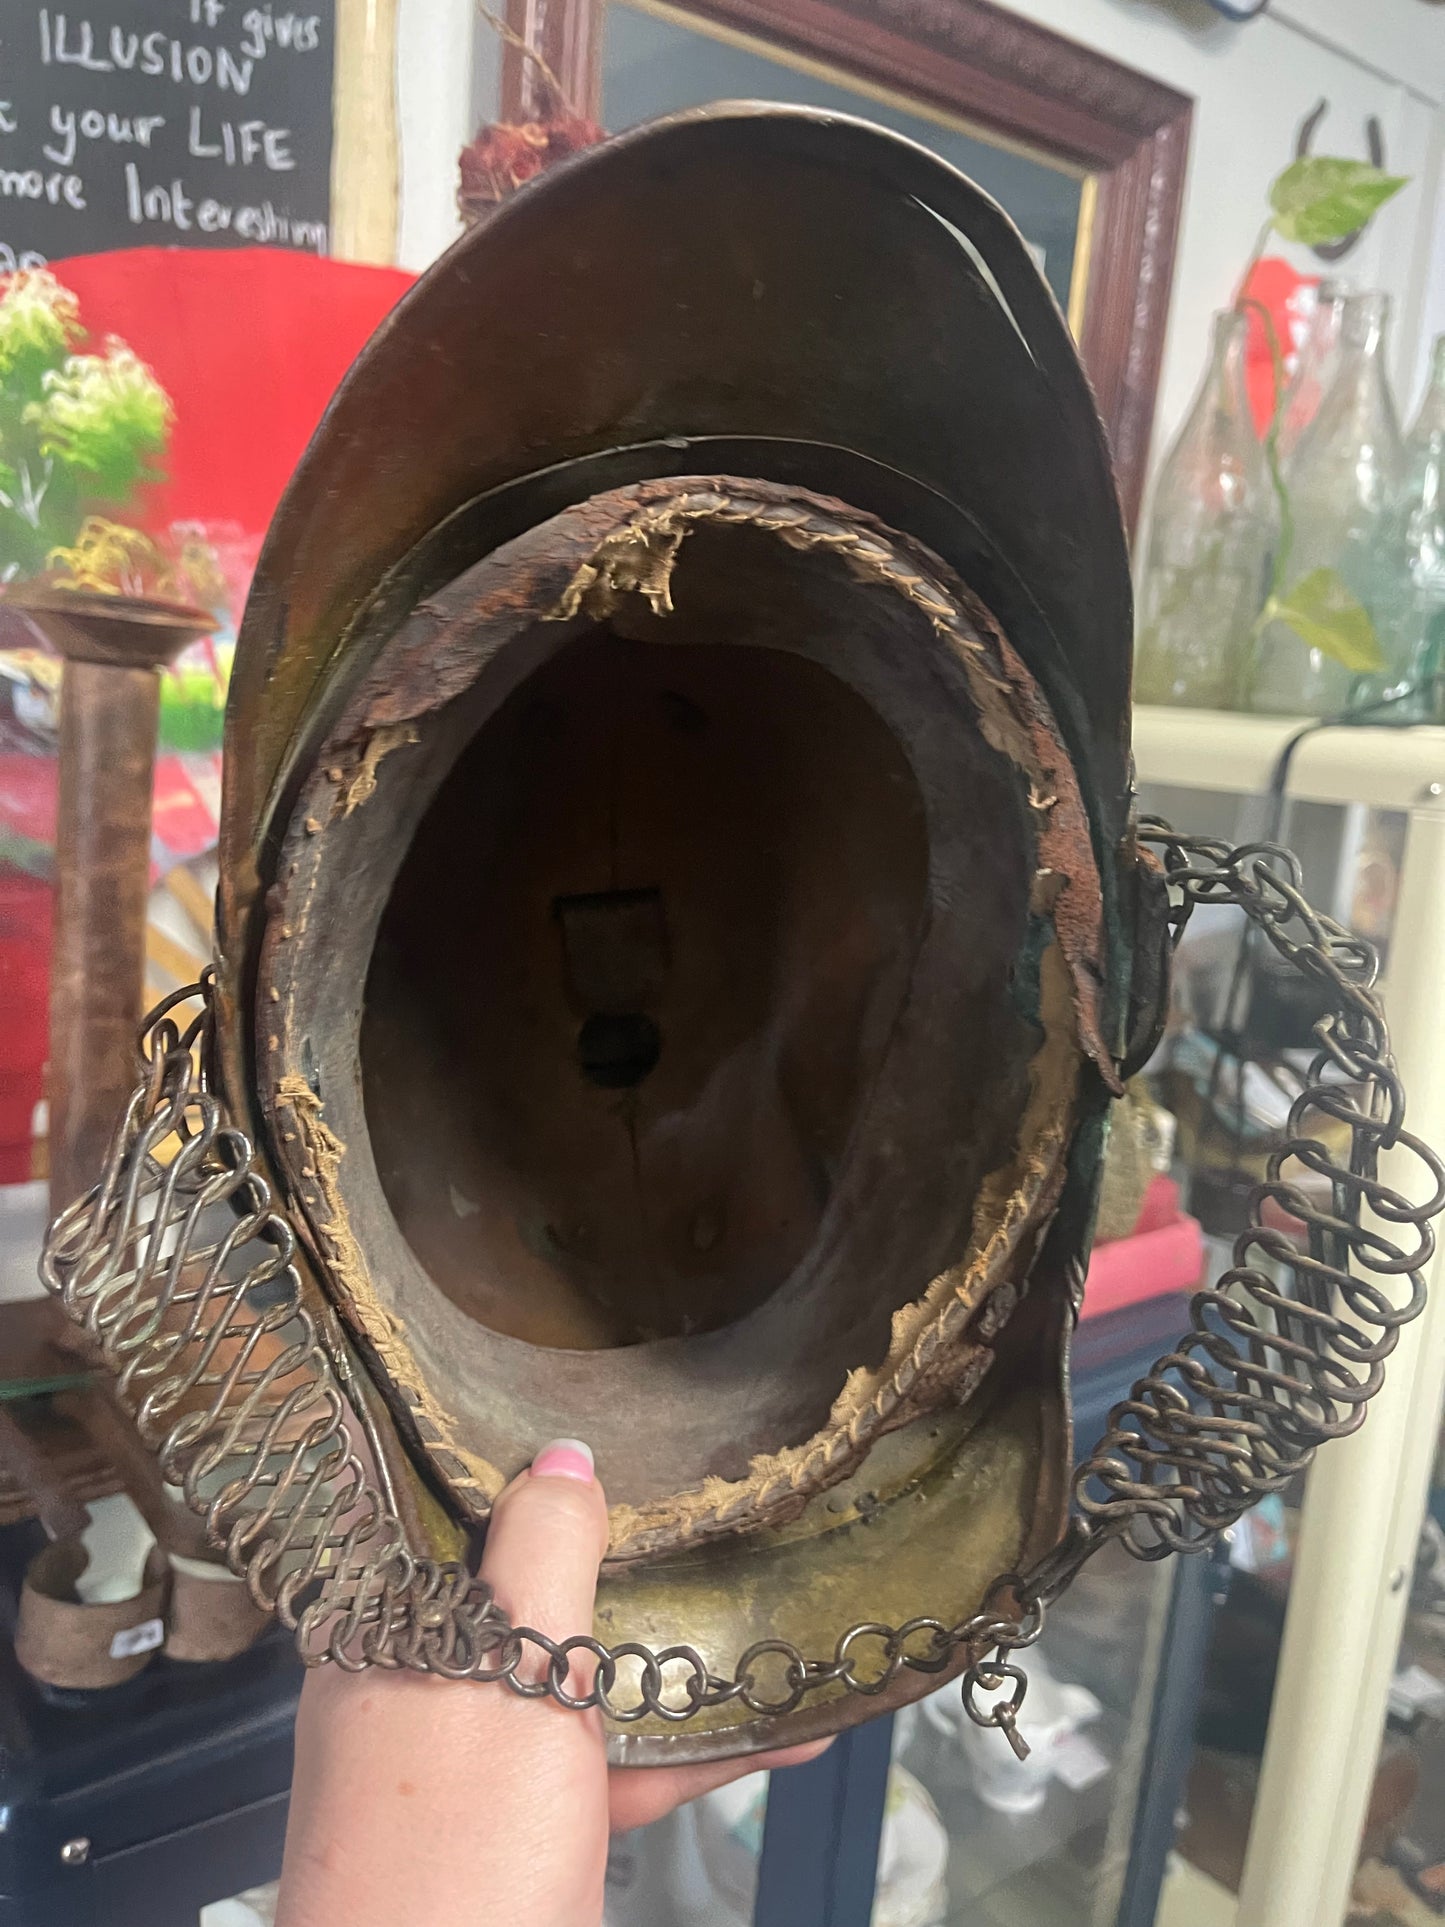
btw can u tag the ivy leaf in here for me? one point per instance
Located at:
(1321, 199)
(1324, 615)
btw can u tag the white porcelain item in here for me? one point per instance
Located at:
(912, 1856)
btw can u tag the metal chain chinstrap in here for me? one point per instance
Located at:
(180, 1268)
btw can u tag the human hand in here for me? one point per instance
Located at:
(420, 1802)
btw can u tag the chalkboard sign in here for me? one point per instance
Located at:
(186, 123)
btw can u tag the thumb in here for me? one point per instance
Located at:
(546, 1539)
(356, 1851)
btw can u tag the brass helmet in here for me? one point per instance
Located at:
(681, 926)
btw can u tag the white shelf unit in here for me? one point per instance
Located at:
(1366, 1495)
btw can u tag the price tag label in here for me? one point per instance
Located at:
(138, 1639)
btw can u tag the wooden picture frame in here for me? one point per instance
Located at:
(1010, 79)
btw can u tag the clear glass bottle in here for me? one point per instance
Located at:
(1344, 476)
(1314, 366)
(1409, 600)
(1211, 535)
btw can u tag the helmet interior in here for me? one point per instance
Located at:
(684, 1006)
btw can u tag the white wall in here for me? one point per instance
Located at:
(1401, 38)
(440, 65)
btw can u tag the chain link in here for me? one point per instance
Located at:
(181, 1269)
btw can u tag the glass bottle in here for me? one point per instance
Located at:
(1314, 366)
(1410, 596)
(1341, 482)
(1210, 538)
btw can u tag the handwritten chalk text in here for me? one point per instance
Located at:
(67, 43)
(172, 206)
(68, 128)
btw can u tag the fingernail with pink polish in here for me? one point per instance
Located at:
(564, 1459)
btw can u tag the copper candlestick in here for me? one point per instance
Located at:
(114, 648)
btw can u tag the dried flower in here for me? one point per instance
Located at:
(197, 576)
(504, 156)
(109, 559)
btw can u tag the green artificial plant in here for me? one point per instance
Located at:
(78, 431)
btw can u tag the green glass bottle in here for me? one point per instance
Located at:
(1410, 597)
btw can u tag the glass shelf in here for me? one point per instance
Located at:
(1059, 1865)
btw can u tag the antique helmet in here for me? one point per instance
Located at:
(681, 928)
